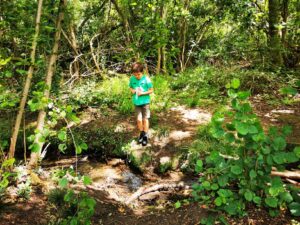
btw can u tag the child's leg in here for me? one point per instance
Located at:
(139, 118)
(140, 125)
(146, 125)
(146, 116)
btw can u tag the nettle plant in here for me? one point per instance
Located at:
(230, 182)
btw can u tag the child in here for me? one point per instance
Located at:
(141, 88)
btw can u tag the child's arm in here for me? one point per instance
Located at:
(132, 90)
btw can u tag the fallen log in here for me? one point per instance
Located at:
(287, 174)
(157, 187)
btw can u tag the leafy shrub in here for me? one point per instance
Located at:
(5, 174)
(233, 181)
(113, 93)
(162, 96)
(72, 207)
(205, 84)
(104, 140)
(204, 144)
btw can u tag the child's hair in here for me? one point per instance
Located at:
(137, 67)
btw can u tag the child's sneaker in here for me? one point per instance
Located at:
(145, 140)
(142, 134)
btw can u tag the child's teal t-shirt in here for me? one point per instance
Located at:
(144, 84)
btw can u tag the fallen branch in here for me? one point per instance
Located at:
(157, 187)
(287, 174)
(295, 183)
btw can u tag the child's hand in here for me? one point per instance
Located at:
(139, 93)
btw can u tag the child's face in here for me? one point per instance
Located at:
(138, 75)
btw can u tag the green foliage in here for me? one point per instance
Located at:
(204, 85)
(108, 141)
(8, 98)
(136, 159)
(38, 101)
(57, 115)
(111, 93)
(203, 145)
(5, 173)
(162, 96)
(196, 84)
(233, 182)
(165, 166)
(72, 207)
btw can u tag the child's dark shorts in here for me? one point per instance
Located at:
(142, 111)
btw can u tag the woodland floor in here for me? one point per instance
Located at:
(114, 182)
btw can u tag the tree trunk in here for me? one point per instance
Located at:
(74, 43)
(158, 66)
(14, 137)
(163, 48)
(276, 59)
(34, 157)
(284, 14)
(125, 21)
(182, 37)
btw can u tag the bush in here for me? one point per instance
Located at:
(231, 182)
(203, 145)
(113, 93)
(5, 174)
(162, 96)
(72, 207)
(205, 85)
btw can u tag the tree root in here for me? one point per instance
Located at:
(157, 187)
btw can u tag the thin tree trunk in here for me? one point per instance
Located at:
(274, 38)
(182, 40)
(163, 48)
(125, 21)
(34, 157)
(75, 49)
(76, 71)
(94, 55)
(203, 30)
(158, 66)
(284, 14)
(14, 137)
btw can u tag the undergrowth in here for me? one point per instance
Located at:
(242, 177)
(201, 86)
